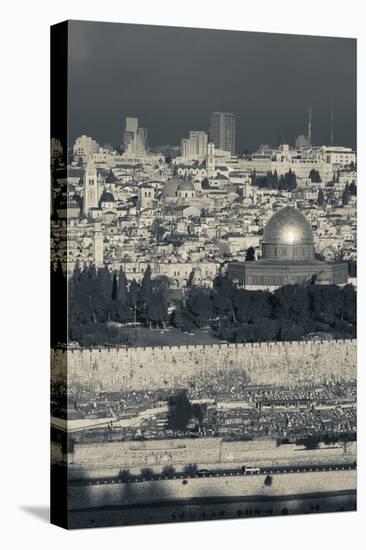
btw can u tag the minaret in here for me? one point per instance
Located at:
(309, 127)
(98, 246)
(91, 187)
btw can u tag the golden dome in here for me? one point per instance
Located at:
(288, 226)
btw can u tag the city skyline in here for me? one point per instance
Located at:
(270, 99)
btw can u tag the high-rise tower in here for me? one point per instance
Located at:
(134, 138)
(222, 131)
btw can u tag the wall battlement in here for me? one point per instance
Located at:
(275, 363)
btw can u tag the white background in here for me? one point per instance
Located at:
(24, 305)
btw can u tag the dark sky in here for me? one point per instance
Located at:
(173, 78)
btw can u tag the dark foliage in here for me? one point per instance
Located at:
(268, 481)
(289, 313)
(168, 471)
(321, 198)
(285, 182)
(315, 176)
(100, 300)
(198, 411)
(349, 191)
(190, 469)
(147, 473)
(58, 305)
(180, 411)
(124, 475)
(250, 255)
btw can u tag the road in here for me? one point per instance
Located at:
(278, 470)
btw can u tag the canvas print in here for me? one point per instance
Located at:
(203, 274)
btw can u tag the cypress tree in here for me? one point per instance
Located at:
(145, 293)
(123, 307)
(250, 254)
(320, 197)
(114, 287)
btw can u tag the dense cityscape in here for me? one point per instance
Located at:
(185, 212)
(197, 245)
(175, 219)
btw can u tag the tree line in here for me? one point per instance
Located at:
(98, 296)
(289, 313)
(284, 182)
(98, 299)
(350, 190)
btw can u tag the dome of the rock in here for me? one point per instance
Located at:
(288, 236)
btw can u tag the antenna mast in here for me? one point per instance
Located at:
(332, 124)
(309, 128)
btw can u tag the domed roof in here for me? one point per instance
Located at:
(288, 226)
(171, 187)
(106, 197)
(186, 185)
(301, 141)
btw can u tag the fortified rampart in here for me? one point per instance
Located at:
(273, 363)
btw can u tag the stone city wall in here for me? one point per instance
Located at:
(274, 363)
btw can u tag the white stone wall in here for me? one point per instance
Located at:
(276, 363)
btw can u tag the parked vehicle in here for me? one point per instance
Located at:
(203, 472)
(250, 470)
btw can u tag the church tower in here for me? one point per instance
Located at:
(91, 187)
(210, 160)
(146, 196)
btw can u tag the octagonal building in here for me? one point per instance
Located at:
(288, 257)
